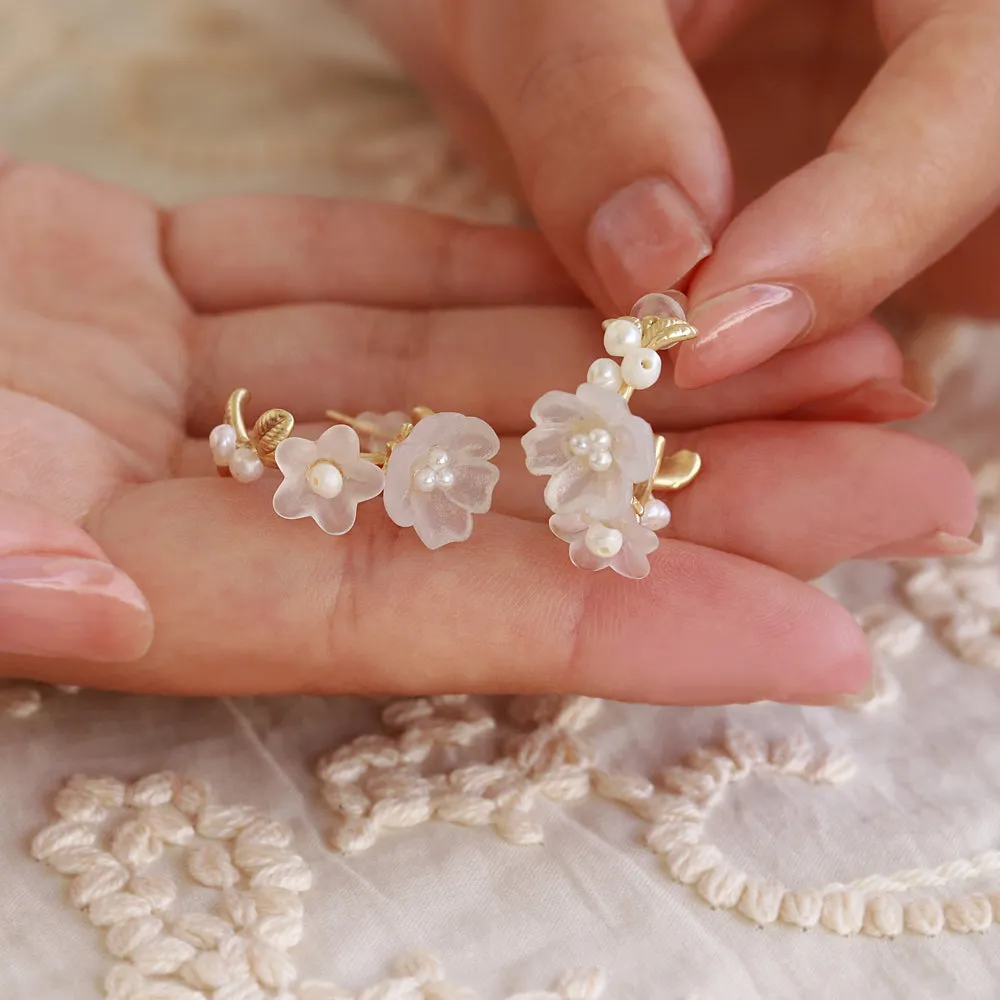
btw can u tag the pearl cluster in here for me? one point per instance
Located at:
(640, 366)
(595, 447)
(435, 473)
(242, 461)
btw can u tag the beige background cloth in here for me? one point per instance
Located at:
(876, 826)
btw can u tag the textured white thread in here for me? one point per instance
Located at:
(883, 916)
(843, 912)
(153, 790)
(124, 937)
(924, 916)
(761, 901)
(968, 914)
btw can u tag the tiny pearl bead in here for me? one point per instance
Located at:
(438, 458)
(600, 438)
(622, 335)
(606, 374)
(245, 466)
(655, 515)
(601, 461)
(446, 478)
(325, 479)
(222, 441)
(604, 541)
(579, 444)
(425, 479)
(641, 368)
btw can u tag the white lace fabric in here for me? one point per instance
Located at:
(449, 848)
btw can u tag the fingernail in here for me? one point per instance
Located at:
(934, 545)
(645, 237)
(63, 606)
(880, 399)
(740, 329)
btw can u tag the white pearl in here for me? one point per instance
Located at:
(425, 479)
(445, 478)
(600, 438)
(579, 444)
(601, 461)
(622, 335)
(603, 541)
(222, 441)
(438, 458)
(245, 466)
(641, 367)
(325, 479)
(605, 374)
(655, 515)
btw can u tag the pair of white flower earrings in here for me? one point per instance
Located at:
(434, 472)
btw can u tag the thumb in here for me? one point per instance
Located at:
(617, 149)
(59, 594)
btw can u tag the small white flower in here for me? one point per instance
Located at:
(325, 479)
(620, 543)
(592, 447)
(439, 476)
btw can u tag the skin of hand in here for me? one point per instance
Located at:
(797, 163)
(126, 562)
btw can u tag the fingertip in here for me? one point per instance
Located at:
(713, 628)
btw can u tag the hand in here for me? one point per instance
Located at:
(851, 172)
(125, 329)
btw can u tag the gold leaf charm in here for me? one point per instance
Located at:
(271, 428)
(677, 470)
(660, 333)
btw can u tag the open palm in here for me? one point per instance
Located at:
(125, 328)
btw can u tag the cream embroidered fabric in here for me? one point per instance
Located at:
(552, 848)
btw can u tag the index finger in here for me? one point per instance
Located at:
(277, 606)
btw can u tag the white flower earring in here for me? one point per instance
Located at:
(432, 469)
(603, 462)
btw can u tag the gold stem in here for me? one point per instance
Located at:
(375, 457)
(234, 415)
(643, 491)
(625, 391)
(359, 425)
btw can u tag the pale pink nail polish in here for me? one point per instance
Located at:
(64, 606)
(645, 238)
(937, 544)
(738, 330)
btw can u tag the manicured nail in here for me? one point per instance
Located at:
(644, 238)
(738, 330)
(935, 545)
(882, 399)
(63, 606)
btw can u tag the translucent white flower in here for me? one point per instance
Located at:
(325, 479)
(593, 448)
(387, 426)
(439, 476)
(621, 543)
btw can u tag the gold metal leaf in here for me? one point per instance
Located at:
(677, 470)
(660, 333)
(271, 428)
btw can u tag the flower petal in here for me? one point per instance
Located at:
(336, 516)
(583, 558)
(545, 449)
(474, 485)
(362, 479)
(437, 520)
(459, 434)
(576, 488)
(340, 444)
(634, 449)
(558, 407)
(568, 527)
(608, 407)
(293, 498)
(294, 455)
